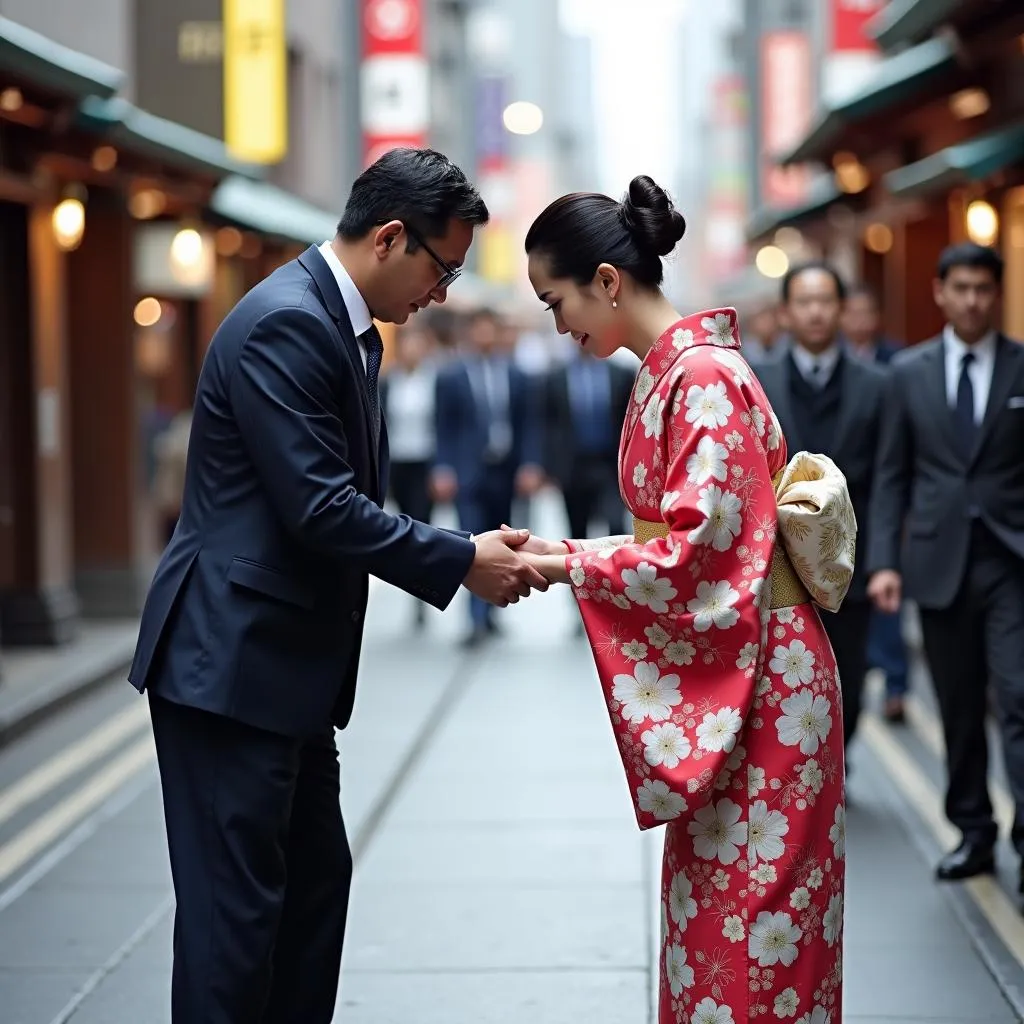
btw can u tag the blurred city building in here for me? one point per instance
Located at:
(917, 144)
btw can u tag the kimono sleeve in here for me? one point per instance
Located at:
(675, 624)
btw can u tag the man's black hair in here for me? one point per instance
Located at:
(802, 268)
(970, 254)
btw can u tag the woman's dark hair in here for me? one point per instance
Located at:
(970, 254)
(582, 230)
(420, 187)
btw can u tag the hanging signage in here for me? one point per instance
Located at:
(849, 23)
(787, 107)
(394, 78)
(255, 80)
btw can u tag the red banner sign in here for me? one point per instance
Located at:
(849, 21)
(787, 108)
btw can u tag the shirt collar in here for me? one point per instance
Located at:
(806, 361)
(355, 304)
(985, 347)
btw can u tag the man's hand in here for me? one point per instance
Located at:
(529, 480)
(538, 545)
(499, 574)
(444, 485)
(885, 588)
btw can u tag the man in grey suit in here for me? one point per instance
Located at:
(947, 526)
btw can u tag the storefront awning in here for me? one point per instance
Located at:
(907, 21)
(898, 78)
(137, 131)
(957, 165)
(48, 65)
(272, 211)
(822, 195)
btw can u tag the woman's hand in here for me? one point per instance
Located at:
(540, 546)
(551, 567)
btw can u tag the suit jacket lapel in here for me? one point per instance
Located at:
(936, 385)
(317, 268)
(783, 407)
(1005, 372)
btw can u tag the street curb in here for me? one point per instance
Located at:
(64, 687)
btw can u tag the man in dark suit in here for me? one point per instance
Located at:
(887, 649)
(830, 403)
(488, 440)
(250, 637)
(947, 529)
(585, 403)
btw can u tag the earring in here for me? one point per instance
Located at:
(615, 305)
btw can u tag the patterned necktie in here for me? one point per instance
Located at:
(371, 341)
(965, 405)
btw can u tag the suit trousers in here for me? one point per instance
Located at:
(261, 869)
(410, 488)
(592, 492)
(847, 631)
(977, 643)
(486, 507)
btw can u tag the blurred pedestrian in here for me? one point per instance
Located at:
(763, 336)
(171, 451)
(947, 529)
(407, 398)
(830, 403)
(887, 648)
(488, 440)
(250, 636)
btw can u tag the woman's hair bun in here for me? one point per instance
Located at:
(650, 217)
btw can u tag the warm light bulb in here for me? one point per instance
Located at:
(69, 223)
(878, 238)
(771, 261)
(148, 311)
(523, 118)
(982, 222)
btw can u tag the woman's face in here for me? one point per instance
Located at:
(584, 311)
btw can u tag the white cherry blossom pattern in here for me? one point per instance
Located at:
(708, 406)
(819, 1015)
(657, 799)
(681, 904)
(577, 574)
(765, 831)
(653, 418)
(666, 745)
(718, 832)
(837, 833)
(678, 972)
(648, 590)
(647, 694)
(794, 663)
(668, 500)
(736, 364)
(707, 1011)
(682, 337)
(657, 636)
(805, 721)
(786, 1003)
(832, 923)
(707, 462)
(719, 328)
(722, 521)
(644, 385)
(719, 730)
(680, 652)
(635, 650)
(639, 475)
(773, 939)
(713, 606)
(747, 657)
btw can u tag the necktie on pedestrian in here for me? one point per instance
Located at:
(374, 347)
(966, 427)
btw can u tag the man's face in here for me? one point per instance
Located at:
(484, 334)
(861, 321)
(813, 308)
(406, 282)
(967, 298)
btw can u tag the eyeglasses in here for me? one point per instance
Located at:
(450, 271)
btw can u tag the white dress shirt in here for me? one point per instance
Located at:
(355, 304)
(980, 371)
(824, 361)
(410, 414)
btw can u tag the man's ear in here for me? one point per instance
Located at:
(386, 236)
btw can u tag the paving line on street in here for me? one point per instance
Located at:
(57, 769)
(63, 816)
(119, 955)
(918, 790)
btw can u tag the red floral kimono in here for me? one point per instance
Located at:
(725, 707)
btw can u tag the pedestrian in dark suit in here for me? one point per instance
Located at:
(830, 403)
(887, 649)
(488, 440)
(585, 403)
(947, 528)
(249, 641)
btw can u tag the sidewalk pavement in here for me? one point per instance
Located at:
(36, 681)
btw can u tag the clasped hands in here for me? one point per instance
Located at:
(509, 564)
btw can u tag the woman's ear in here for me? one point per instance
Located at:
(609, 281)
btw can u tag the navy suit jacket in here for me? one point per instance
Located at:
(462, 431)
(256, 610)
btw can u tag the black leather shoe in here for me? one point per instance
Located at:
(966, 861)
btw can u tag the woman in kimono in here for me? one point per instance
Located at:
(720, 682)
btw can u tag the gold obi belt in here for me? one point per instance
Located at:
(787, 590)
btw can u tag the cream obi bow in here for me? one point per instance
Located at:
(817, 526)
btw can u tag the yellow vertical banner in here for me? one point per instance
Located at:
(256, 80)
